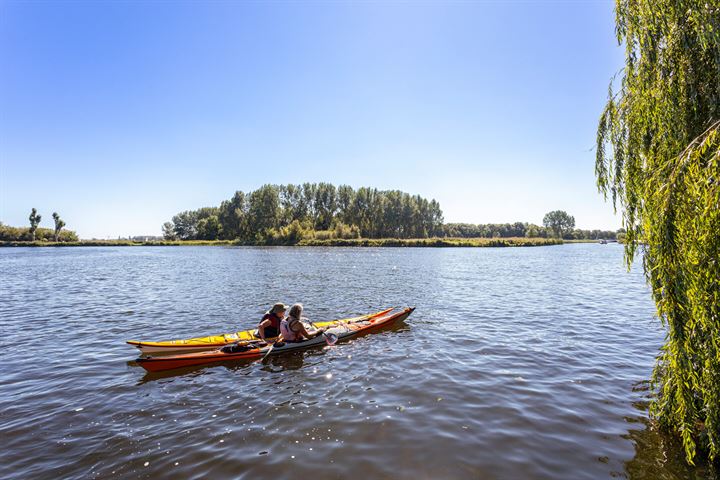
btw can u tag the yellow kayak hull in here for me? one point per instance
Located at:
(215, 341)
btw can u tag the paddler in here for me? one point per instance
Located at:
(293, 330)
(269, 326)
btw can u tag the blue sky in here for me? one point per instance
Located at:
(118, 115)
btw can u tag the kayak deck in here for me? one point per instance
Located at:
(344, 331)
(215, 341)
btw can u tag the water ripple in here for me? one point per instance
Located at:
(518, 363)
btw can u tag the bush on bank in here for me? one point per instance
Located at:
(18, 234)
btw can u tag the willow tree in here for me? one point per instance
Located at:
(658, 156)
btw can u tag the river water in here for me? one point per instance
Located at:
(518, 363)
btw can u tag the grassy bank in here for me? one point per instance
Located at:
(432, 242)
(118, 243)
(586, 241)
(337, 242)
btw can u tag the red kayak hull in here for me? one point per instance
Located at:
(350, 330)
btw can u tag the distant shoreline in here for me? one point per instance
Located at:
(355, 242)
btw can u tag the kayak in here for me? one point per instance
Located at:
(213, 342)
(255, 350)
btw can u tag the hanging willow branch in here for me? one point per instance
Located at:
(658, 155)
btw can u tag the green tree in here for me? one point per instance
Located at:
(34, 222)
(209, 228)
(532, 231)
(435, 217)
(658, 156)
(185, 225)
(263, 210)
(288, 203)
(345, 196)
(288, 235)
(265, 215)
(325, 205)
(392, 214)
(59, 224)
(308, 201)
(361, 210)
(559, 222)
(232, 216)
(168, 230)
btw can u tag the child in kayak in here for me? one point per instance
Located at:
(293, 330)
(269, 326)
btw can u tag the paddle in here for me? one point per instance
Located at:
(330, 339)
(268, 352)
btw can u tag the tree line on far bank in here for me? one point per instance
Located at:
(34, 232)
(556, 224)
(524, 229)
(285, 214)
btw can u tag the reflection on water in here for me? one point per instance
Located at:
(658, 455)
(235, 365)
(518, 363)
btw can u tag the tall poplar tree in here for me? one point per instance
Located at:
(59, 224)
(34, 222)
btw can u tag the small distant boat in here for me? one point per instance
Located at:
(603, 242)
(252, 350)
(215, 341)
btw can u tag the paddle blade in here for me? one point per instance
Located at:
(268, 353)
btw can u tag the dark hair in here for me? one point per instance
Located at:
(277, 308)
